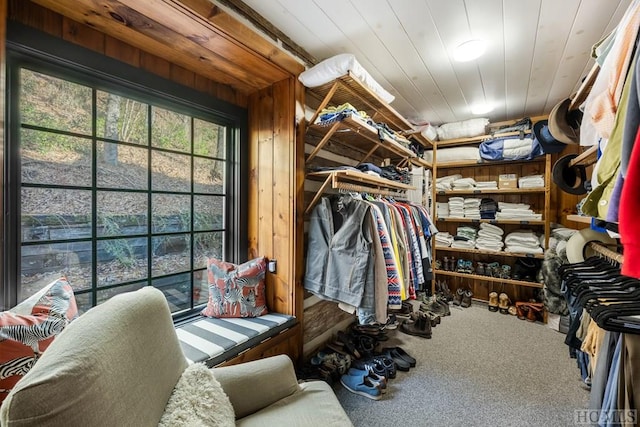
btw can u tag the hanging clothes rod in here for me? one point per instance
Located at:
(362, 189)
(606, 252)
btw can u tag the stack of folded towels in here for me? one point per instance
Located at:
(442, 210)
(444, 238)
(488, 208)
(444, 183)
(517, 211)
(531, 181)
(486, 185)
(464, 184)
(465, 238)
(489, 238)
(456, 207)
(471, 208)
(523, 241)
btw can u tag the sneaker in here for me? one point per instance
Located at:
(360, 384)
(379, 380)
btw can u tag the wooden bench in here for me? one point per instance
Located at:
(233, 340)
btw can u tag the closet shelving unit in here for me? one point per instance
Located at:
(353, 137)
(538, 198)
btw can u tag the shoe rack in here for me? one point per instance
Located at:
(538, 198)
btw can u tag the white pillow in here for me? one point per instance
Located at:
(337, 66)
(198, 400)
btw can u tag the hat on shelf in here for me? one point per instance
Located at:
(570, 179)
(564, 125)
(578, 245)
(549, 144)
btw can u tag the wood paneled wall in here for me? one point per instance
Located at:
(273, 190)
(50, 22)
(276, 176)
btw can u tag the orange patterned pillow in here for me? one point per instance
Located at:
(27, 329)
(236, 290)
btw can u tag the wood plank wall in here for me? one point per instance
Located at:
(57, 25)
(274, 159)
(273, 173)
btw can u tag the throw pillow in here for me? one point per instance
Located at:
(236, 290)
(27, 329)
(198, 400)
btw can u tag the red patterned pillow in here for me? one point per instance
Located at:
(27, 329)
(236, 290)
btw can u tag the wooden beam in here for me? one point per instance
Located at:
(244, 35)
(121, 22)
(269, 29)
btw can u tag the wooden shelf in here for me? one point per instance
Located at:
(579, 218)
(491, 191)
(493, 221)
(361, 178)
(484, 163)
(489, 279)
(350, 89)
(484, 252)
(476, 139)
(357, 134)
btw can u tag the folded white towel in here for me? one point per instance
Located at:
(506, 205)
(523, 249)
(485, 234)
(491, 228)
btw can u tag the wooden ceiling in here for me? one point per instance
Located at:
(194, 34)
(538, 50)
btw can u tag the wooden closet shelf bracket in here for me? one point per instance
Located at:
(585, 88)
(586, 158)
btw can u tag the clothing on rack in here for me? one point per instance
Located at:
(368, 254)
(604, 335)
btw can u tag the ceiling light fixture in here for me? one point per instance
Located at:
(469, 50)
(481, 108)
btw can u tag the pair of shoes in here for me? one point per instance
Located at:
(457, 299)
(421, 327)
(531, 311)
(434, 318)
(378, 380)
(493, 301)
(466, 298)
(400, 353)
(505, 301)
(436, 305)
(362, 385)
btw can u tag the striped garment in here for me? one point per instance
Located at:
(393, 281)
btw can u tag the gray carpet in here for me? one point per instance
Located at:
(479, 369)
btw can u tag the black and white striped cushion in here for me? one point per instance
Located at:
(213, 341)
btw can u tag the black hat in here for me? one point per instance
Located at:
(572, 179)
(549, 144)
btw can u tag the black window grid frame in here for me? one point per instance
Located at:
(40, 52)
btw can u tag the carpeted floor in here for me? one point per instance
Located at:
(479, 369)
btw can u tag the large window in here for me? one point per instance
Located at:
(115, 188)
